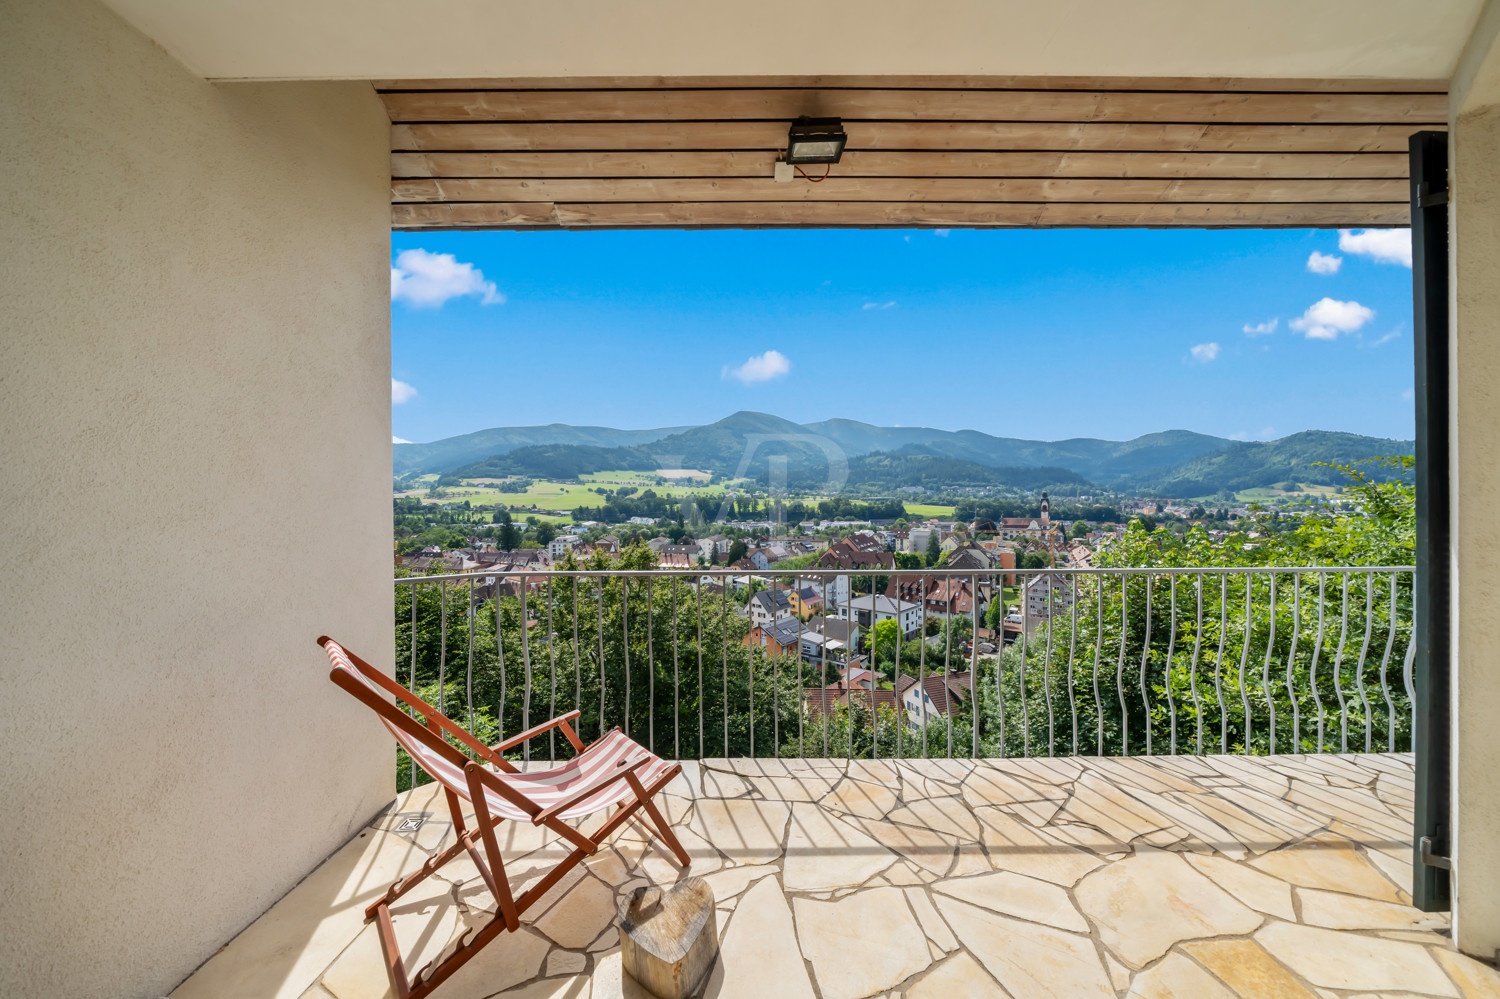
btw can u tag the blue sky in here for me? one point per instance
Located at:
(1044, 334)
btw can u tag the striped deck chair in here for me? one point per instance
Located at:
(614, 771)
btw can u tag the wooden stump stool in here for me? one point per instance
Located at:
(669, 940)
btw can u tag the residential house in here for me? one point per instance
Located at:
(782, 637)
(659, 542)
(934, 697)
(609, 543)
(860, 553)
(836, 631)
(806, 600)
(1047, 595)
(767, 606)
(873, 608)
(562, 544)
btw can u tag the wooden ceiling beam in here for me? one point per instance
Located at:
(495, 215)
(913, 189)
(919, 105)
(902, 163)
(971, 136)
(1198, 84)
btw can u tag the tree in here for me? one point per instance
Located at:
(508, 537)
(887, 633)
(736, 551)
(934, 548)
(1080, 529)
(995, 612)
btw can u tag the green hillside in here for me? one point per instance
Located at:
(1252, 464)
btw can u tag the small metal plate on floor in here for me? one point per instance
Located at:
(411, 823)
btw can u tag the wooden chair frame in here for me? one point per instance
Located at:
(431, 732)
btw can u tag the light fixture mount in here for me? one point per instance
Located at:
(815, 140)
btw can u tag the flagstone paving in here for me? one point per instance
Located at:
(1206, 877)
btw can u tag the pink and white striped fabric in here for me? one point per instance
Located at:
(544, 788)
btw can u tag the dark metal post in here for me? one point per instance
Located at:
(1430, 736)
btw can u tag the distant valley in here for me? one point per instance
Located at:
(869, 459)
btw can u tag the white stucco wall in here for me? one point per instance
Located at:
(194, 347)
(1474, 214)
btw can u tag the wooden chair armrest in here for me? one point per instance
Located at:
(532, 733)
(592, 788)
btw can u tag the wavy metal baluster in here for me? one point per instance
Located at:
(469, 672)
(1291, 659)
(676, 682)
(921, 653)
(1245, 661)
(1312, 670)
(724, 646)
(577, 656)
(1145, 656)
(1047, 664)
(443, 653)
(1120, 664)
(1025, 654)
(1265, 674)
(698, 612)
(1359, 665)
(625, 642)
(526, 664)
(1171, 649)
(1098, 646)
(948, 658)
(1219, 664)
(551, 668)
(896, 676)
(1072, 657)
(1385, 662)
(1407, 666)
(1193, 667)
(974, 663)
(600, 580)
(1338, 668)
(651, 663)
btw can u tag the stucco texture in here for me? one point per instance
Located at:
(1475, 190)
(194, 347)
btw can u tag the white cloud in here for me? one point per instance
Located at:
(941, 232)
(401, 392)
(760, 368)
(1262, 329)
(1324, 263)
(1384, 246)
(877, 305)
(1204, 352)
(1407, 395)
(427, 280)
(1326, 318)
(399, 440)
(1393, 334)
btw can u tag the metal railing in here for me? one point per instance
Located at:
(1248, 660)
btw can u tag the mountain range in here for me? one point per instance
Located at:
(754, 445)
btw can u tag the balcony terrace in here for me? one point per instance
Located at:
(1191, 876)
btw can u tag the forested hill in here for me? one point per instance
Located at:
(1299, 459)
(753, 445)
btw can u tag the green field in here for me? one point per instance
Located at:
(928, 510)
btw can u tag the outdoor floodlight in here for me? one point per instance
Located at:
(815, 140)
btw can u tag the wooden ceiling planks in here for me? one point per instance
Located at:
(922, 152)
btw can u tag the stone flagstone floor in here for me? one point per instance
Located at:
(1190, 877)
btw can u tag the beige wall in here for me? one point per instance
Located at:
(194, 348)
(1474, 214)
(361, 39)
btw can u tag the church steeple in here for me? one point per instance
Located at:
(1046, 509)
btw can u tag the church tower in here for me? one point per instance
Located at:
(1046, 510)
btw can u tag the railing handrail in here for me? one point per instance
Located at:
(683, 574)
